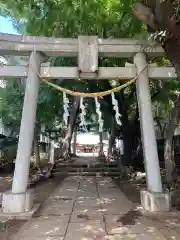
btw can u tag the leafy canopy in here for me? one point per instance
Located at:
(70, 18)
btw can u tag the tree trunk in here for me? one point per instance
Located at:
(66, 148)
(74, 143)
(131, 134)
(101, 152)
(161, 16)
(37, 153)
(161, 128)
(52, 151)
(126, 130)
(128, 148)
(111, 139)
(172, 49)
(168, 146)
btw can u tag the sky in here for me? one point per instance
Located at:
(6, 26)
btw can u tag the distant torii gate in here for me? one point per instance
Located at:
(88, 49)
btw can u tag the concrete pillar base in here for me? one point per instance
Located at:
(17, 203)
(155, 202)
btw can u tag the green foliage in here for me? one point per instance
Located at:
(70, 18)
(176, 6)
(60, 18)
(105, 18)
(49, 108)
(11, 105)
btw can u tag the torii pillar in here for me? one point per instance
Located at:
(20, 199)
(153, 199)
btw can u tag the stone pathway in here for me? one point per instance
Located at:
(86, 208)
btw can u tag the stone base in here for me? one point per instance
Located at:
(20, 216)
(17, 203)
(155, 202)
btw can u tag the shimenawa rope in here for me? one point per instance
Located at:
(83, 94)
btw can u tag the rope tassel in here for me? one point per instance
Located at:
(116, 109)
(98, 111)
(65, 106)
(82, 114)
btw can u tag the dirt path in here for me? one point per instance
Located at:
(168, 223)
(42, 192)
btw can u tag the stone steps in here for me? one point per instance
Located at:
(110, 174)
(96, 165)
(81, 169)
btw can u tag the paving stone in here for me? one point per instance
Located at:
(110, 192)
(121, 236)
(117, 209)
(152, 235)
(58, 207)
(86, 238)
(116, 225)
(138, 230)
(92, 202)
(169, 231)
(171, 234)
(86, 209)
(59, 200)
(87, 184)
(66, 194)
(97, 205)
(88, 179)
(87, 194)
(69, 184)
(114, 210)
(73, 179)
(115, 200)
(89, 230)
(105, 181)
(85, 198)
(67, 188)
(88, 189)
(86, 217)
(80, 215)
(101, 186)
(42, 238)
(46, 226)
(135, 236)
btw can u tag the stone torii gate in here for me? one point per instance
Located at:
(87, 49)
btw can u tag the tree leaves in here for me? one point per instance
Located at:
(70, 18)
